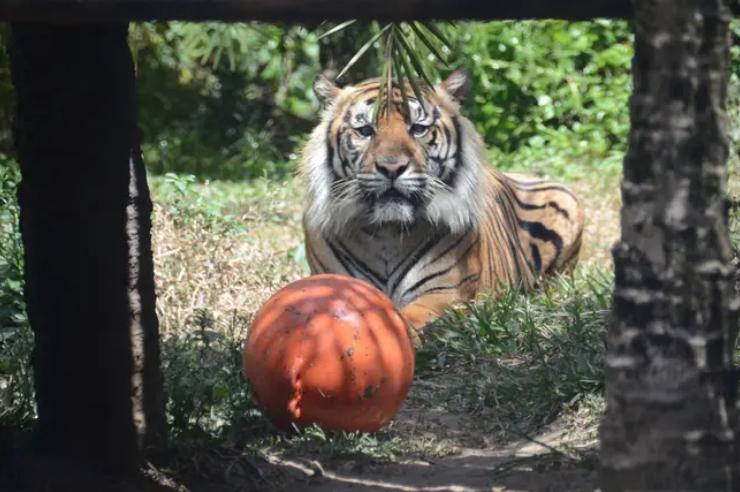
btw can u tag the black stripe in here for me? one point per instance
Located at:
(548, 188)
(448, 138)
(453, 246)
(469, 278)
(342, 159)
(433, 142)
(349, 267)
(330, 153)
(450, 179)
(362, 265)
(434, 275)
(315, 257)
(412, 259)
(530, 206)
(515, 260)
(539, 231)
(536, 258)
(339, 258)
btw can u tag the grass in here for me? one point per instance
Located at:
(518, 363)
(221, 249)
(524, 358)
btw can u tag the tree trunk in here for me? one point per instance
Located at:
(671, 421)
(85, 223)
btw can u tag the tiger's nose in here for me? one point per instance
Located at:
(391, 167)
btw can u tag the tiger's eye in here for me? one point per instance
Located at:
(366, 131)
(418, 130)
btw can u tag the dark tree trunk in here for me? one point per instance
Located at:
(671, 386)
(85, 222)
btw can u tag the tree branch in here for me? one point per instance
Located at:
(66, 11)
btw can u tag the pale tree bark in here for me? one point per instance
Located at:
(671, 386)
(85, 223)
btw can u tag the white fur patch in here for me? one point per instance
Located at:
(458, 209)
(461, 208)
(392, 213)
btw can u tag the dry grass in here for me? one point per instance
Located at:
(226, 267)
(221, 250)
(601, 200)
(229, 267)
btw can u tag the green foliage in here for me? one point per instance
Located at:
(17, 407)
(208, 397)
(408, 50)
(235, 100)
(525, 357)
(6, 93)
(733, 98)
(223, 100)
(185, 201)
(547, 94)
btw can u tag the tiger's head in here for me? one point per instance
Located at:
(420, 160)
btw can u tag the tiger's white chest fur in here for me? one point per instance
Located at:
(403, 263)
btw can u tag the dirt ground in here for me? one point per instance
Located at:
(560, 457)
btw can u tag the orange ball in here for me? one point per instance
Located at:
(330, 350)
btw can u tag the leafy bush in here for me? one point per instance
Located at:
(524, 357)
(548, 93)
(208, 397)
(223, 100)
(234, 100)
(17, 407)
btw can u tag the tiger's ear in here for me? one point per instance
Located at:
(325, 89)
(457, 85)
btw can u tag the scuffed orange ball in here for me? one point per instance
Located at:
(330, 350)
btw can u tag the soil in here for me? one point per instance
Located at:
(465, 453)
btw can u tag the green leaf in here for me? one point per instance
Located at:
(399, 76)
(362, 50)
(428, 43)
(387, 79)
(409, 76)
(337, 28)
(414, 59)
(429, 26)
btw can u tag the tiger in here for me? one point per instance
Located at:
(409, 202)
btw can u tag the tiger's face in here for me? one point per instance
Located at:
(393, 168)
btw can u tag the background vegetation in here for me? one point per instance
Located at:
(223, 111)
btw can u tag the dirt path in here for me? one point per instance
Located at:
(518, 466)
(464, 453)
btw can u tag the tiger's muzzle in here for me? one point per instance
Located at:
(393, 181)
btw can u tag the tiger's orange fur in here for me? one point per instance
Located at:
(408, 202)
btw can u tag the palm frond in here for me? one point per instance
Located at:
(400, 75)
(408, 48)
(337, 28)
(364, 49)
(431, 27)
(427, 42)
(413, 57)
(410, 76)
